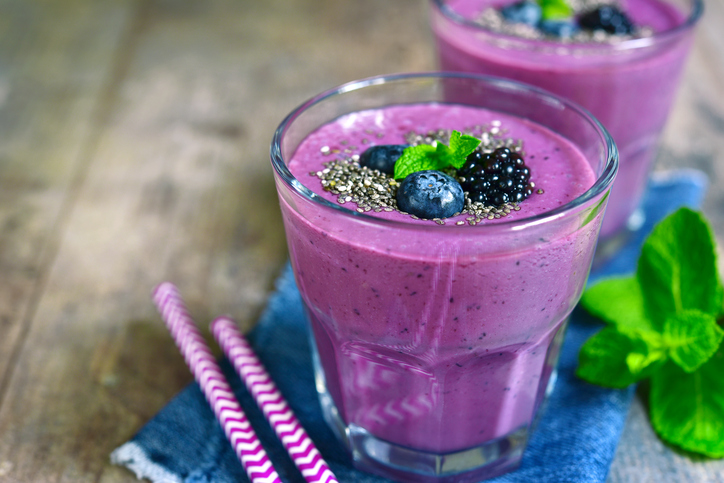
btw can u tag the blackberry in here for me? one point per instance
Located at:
(607, 18)
(496, 178)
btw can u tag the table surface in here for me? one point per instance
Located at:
(134, 149)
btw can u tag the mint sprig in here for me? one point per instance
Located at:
(663, 326)
(687, 408)
(439, 156)
(555, 9)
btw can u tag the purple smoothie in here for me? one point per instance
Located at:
(629, 87)
(434, 344)
(435, 337)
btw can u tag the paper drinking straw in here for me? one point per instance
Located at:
(218, 393)
(301, 449)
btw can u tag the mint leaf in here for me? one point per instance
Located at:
(416, 158)
(678, 268)
(424, 156)
(603, 359)
(617, 301)
(692, 337)
(689, 340)
(687, 409)
(461, 146)
(642, 364)
(650, 348)
(663, 325)
(555, 9)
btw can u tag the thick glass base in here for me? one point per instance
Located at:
(409, 465)
(404, 464)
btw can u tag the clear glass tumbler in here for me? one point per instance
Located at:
(629, 85)
(434, 346)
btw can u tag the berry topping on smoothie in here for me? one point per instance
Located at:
(382, 157)
(564, 28)
(607, 18)
(562, 20)
(527, 12)
(430, 194)
(496, 178)
(439, 175)
(508, 168)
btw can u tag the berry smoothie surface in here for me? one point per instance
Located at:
(436, 337)
(629, 87)
(559, 171)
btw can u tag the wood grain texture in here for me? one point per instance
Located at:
(51, 81)
(134, 142)
(172, 181)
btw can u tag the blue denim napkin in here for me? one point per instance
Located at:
(574, 441)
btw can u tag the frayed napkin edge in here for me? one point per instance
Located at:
(133, 457)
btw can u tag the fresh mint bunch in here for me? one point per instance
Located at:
(663, 326)
(555, 9)
(438, 156)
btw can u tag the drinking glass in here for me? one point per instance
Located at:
(435, 346)
(628, 85)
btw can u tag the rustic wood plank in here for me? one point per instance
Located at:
(642, 458)
(178, 188)
(55, 61)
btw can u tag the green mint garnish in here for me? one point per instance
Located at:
(678, 268)
(555, 9)
(687, 409)
(613, 358)
(663, 326)
(440, 156)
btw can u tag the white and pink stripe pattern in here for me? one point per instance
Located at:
(303, 452)
(218, 393)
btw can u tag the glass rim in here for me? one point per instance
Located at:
(631, 44)
(603, 180)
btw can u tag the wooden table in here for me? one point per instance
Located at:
(134, 148)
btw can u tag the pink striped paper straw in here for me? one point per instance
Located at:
(218, 393)
(301, 449)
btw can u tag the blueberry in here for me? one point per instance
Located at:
(430, 194)
(382, 157)
(564, 28)
(522, 12)
(607, 18)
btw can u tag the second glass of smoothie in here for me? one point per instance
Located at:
(628, 85)
(436, 341)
